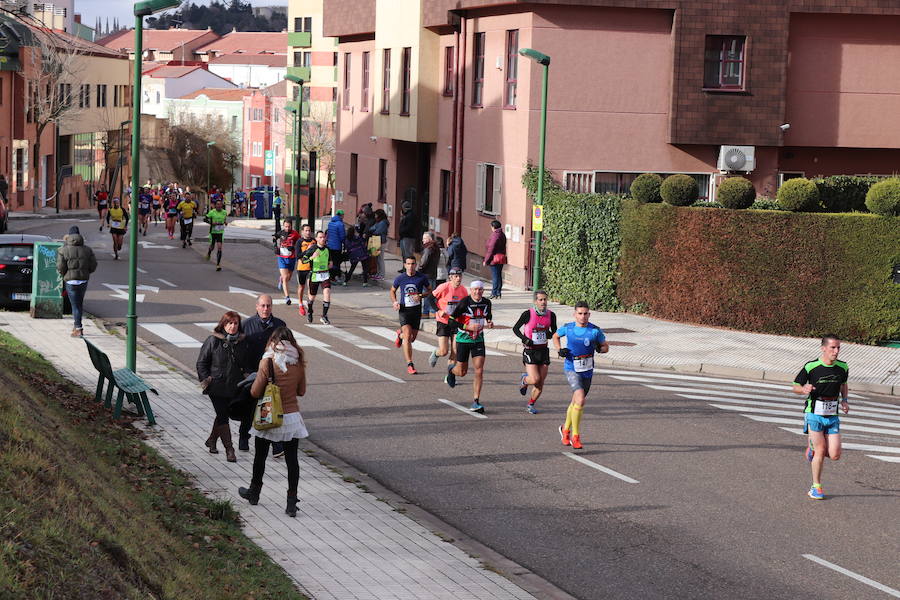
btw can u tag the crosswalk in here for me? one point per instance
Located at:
(876, 423)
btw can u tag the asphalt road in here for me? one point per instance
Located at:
(716, 506)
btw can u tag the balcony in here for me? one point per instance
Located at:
(301, 72)
(300, 39)
(294, 103)
(289, 177)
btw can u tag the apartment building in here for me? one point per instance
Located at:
(438, 109)
(265, 128)
(249, 43)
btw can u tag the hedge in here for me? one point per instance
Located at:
(844, 193)
(884, 198)
(774, 272)
(645, 188)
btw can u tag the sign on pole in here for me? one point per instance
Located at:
(270, 163)
(537, 218)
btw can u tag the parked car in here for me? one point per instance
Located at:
(16, 270)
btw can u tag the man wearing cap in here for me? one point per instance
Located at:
(336, 234)
(447, 296)
(472, 315)
(75, 263)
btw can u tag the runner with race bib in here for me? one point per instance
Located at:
(217, 219)
(117, 219)
(320, 258)
(535, 327)
(472, 315)
(406, 295)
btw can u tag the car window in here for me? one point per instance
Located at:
(16, 253)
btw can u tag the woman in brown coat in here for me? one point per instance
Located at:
(285, 359)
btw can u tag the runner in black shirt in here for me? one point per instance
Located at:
(472, 315)
(412, 287)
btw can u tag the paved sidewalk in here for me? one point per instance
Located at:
(345, 543)
(639, 341)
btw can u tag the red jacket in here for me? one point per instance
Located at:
(496, 244)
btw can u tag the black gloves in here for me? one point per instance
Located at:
(564, 353)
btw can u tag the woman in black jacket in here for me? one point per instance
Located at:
(220, 367)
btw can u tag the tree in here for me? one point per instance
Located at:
(319, 137)
(188, 150)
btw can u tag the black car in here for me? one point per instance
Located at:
(16, 269)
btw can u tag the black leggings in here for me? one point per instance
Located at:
(187, 230)
(220, 405)
(290, 459)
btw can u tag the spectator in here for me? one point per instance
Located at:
(356, 253)
(277, 202)
(495, 258)
(409, 231)
(431, 256)
(4, 188)
(365, 218)
(379, 228)
(335, 236)
(456, 253)
(75, 263)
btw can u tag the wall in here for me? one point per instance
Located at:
(255, 76)
(95, 70)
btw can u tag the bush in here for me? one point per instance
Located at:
(679, 190)
(764, 203)
(844, 193)
(645, 188)
(736, 192)
(884, 198)
(798, 195)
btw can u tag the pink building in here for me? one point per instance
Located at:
(265, 126)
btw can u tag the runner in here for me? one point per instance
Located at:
(117, 218)
(145, 198)
(285, 241)
(447, 296)
(187, 207)
(583, 338)
(217, 219)
(303, 269)
(412, 286)
(156, 204)
(320, 258)
(171, 207)
(102, 197)
(539, 324)
(824, 382)
(472, 314)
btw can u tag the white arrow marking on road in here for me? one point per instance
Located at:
(121, 291)
(151, 245)
(168, 283)
(462, 408)
(601, 468)
(237, 290)
(171, 335)
(862, 579)
(345, 335)
(390, 334)
(894, 459)
(140, 270)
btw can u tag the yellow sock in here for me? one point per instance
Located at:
(568, 424)
(576, 419)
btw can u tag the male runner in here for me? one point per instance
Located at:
(303, 269)
(102, 197)
(217, 219)
(583, 338)
(187, 207)
(447, 296)
(539, 324)
(319, 256)
(285, 240)
(117, 218)
(472, 315)
(145, 199)
(156, 204)
(412, 286)
(824, 382)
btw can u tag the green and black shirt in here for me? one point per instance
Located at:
(827, 379)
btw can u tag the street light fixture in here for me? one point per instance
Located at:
(543, 60)
(121, 162)
(208, 146)
(298, 143)
(141, 10)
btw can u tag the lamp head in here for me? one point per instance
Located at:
(538, 57)
(148, 7)
(294, 79)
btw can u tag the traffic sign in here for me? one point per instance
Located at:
(537, 218)
(270, 163)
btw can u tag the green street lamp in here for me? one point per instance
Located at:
(295, 181)
(543, 60)
(141, 10)
(298, 143)
(208, 146)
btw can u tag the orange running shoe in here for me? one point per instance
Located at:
(301, 309)
(411, 369)
(576, 442)
(564, 436)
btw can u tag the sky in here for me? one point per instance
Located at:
(124, 9)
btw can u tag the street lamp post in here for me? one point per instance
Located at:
(295, 180)
(543, 60)
(298, 143)
(141, 10)
(208, 146)
(121, 162)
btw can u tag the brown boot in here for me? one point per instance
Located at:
(225, 435)
(211, 441)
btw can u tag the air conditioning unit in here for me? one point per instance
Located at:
(737, 158)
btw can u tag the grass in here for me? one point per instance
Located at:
(87, 510)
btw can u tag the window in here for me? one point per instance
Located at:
(478, 69)
(488, 180)
(303, 24)
(275, 115)
(64, 94)
(364, 101)
(446, 179)
(298, 59)
(334, 94)
(346, 81)
(307, 59)
(386, 81)
(620, 183)
(257, 149)
(101, 95)
(115, 95)
(276, 149)
(255, 114)
(334, 59)
(512, 70)
(158, 98)
(449, 74)
(234, 122)
(579, 182)
(84, 96)
(354, 165)
(405, 74)
(724, 63)
(382, 180)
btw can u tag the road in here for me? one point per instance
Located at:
(687, 487)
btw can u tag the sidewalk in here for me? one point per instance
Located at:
(639, 341)
(351, 539)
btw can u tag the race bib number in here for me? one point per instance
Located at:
(583, 363)
(117, 224)
(320, 276)
(826, 408)
(218, 228)
(188, 221)
(451, 306)
(412, 299)
(477, 324)
(539, 336)
(286, 252)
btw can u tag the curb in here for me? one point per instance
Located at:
(61, 215)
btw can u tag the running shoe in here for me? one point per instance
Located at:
(399, 341)
(530, 409)
(190, 243)
(218, 267)
(523, 387)
(301, 309)
(576, 442)
(287, 300)
(432, 360)
(816, 493)
(477, 407)
(365, 284)
(309, 317)
(450, 379)
(411, 369)
(184, 244)
(325, 320)
(564, 436)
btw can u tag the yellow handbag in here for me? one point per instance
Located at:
(268, 413)
(374, 245)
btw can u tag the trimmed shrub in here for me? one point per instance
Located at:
(798, 195)
(844, 193)
(645, 188)
(764, 203)
(679, 190)
(736, 192)
(884, 198)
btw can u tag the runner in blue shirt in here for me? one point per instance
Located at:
(583, 339)
(406, 295)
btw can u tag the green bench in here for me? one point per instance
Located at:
(128, 383)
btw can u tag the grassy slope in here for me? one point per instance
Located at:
(89, 511)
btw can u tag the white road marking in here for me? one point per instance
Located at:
(168, 283)
(343, 334)
(171, 335)
(862, 579)
(222, 306)
(361, 365)
(764, 400)
(88, 220)
(303, 340)
(462, 409)
(853, 446)
(855, 410)
(788, 413)
(140, 270)
(601, 468)
(799, 423)
(237, 290)
(391, 334)
(206, 325)
(149, 245)
(121, 291)
(894, 459)
(641, 377)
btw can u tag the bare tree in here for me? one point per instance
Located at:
(188, 148)
(319, 137)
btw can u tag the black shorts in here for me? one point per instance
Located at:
(536, 356)
(314, 286)
(100, 208)
(117, 231)
(302, 276)
(411, 315)
(466, 349)
(446, 329)
(215, 238)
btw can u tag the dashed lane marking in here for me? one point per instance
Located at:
(893, 459)
(462, 408)
(600, 467)
(171, 335)
(343, 334)
(168, 283)
(861, 578)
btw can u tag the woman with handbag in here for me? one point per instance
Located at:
(495, 258)
(220, 369)
(280, 379)
(377, 237)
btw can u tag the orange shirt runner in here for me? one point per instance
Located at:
(447, 298)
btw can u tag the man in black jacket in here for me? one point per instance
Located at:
(257, 330)
(408, 232)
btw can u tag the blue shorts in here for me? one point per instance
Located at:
(578, 381)
(286, 263)
(827, 425)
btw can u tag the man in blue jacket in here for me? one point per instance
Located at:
(335, 241)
